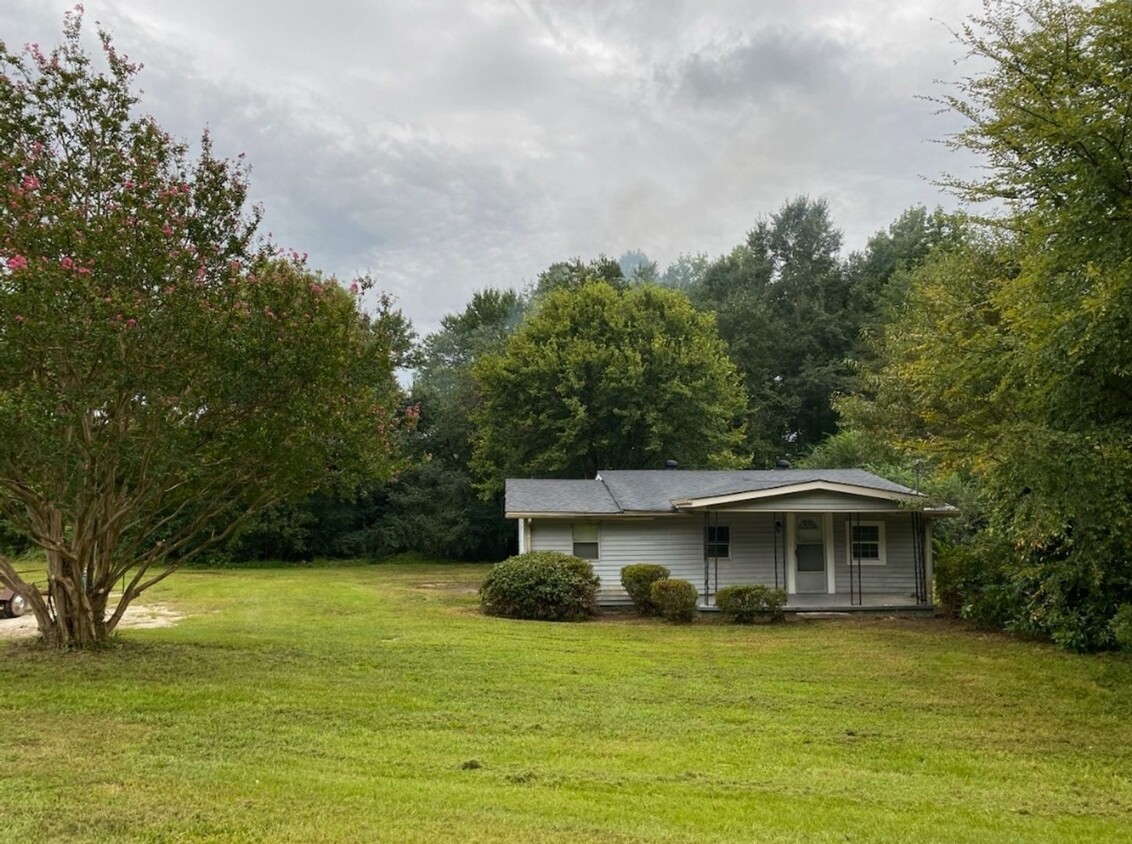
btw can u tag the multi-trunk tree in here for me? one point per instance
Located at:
(164, 374)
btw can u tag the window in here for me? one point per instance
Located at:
(866, 542)
(717, 541)
(586, 541)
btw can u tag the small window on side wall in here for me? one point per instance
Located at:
(586, 541)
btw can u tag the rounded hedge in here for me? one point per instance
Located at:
(541, 586)
(675, 599)
(637, 580)
(744, 604)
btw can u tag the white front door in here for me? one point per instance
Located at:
(809, 555)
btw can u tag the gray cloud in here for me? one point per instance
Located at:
(450, 146)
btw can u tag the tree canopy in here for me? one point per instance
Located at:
(603, 378)
(164, 374)
(1012, 359)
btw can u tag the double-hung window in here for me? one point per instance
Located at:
(717, 541)
(866, 542)
(586, 543)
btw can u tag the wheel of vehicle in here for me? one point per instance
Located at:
(17, 606)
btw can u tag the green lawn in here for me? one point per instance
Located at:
(374, 703)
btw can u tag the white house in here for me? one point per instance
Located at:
(832, 538)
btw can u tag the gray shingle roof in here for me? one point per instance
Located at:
(528, 495)
(654, 490)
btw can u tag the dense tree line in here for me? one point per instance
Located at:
(985, 359)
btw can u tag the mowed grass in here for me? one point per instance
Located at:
(374, 703)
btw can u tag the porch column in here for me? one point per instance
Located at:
(928, 559)
(791, 555)
(524, 537)
(830, 557)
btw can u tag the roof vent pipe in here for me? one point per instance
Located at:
(671, 464)
(782, 463)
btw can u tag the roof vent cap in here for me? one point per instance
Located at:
(782, 463)
(671, 464)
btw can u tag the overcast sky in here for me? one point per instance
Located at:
(445, 147)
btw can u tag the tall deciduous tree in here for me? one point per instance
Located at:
(780, 300)
(601, 378)
(1012, 359)
(162, 375)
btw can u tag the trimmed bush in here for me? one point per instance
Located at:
(745, 604)
(541, 586)
(637, 580)
(675, 600)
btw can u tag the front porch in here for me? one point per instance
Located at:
(869, 603)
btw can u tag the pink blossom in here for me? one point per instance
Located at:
(354, 288)
(19, 317)
(316, 288)
(131, 322)
(30, 182)
(128, 184)
(167, 230)
(83, 270)
(67, 262)
(17, 262)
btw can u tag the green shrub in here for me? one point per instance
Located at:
(675, 600)
(543, 586)
(637, 580)
(1121, 625)
(744, 604)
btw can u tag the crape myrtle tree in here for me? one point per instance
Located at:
(164, 374)
(1012, 358)
(602, 378)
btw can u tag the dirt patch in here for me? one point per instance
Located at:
(137, 616)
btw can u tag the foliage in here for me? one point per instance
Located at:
(780, 303)
(637, 581)
(1122, 627)
(1010, 361)
(598, 378)
(745, 604)
(541, 586)
(433, 507)
(576, 274)
(674, 599)
(163, 375)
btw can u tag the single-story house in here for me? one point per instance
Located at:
(832, 538)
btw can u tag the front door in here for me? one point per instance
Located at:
(810, 556)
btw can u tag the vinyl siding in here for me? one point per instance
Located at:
(677, 543)
(898, 575)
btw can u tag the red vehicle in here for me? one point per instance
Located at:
(11, 604)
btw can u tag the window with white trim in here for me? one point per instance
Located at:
(717, 541)
(865, 542)
(586, 541)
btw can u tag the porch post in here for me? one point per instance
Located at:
(524, 537)
(791, 556)
(830, 557)
(928, 560)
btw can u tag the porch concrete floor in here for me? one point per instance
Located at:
(870, 602)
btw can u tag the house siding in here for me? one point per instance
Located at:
(898, 575)
(677, 543)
